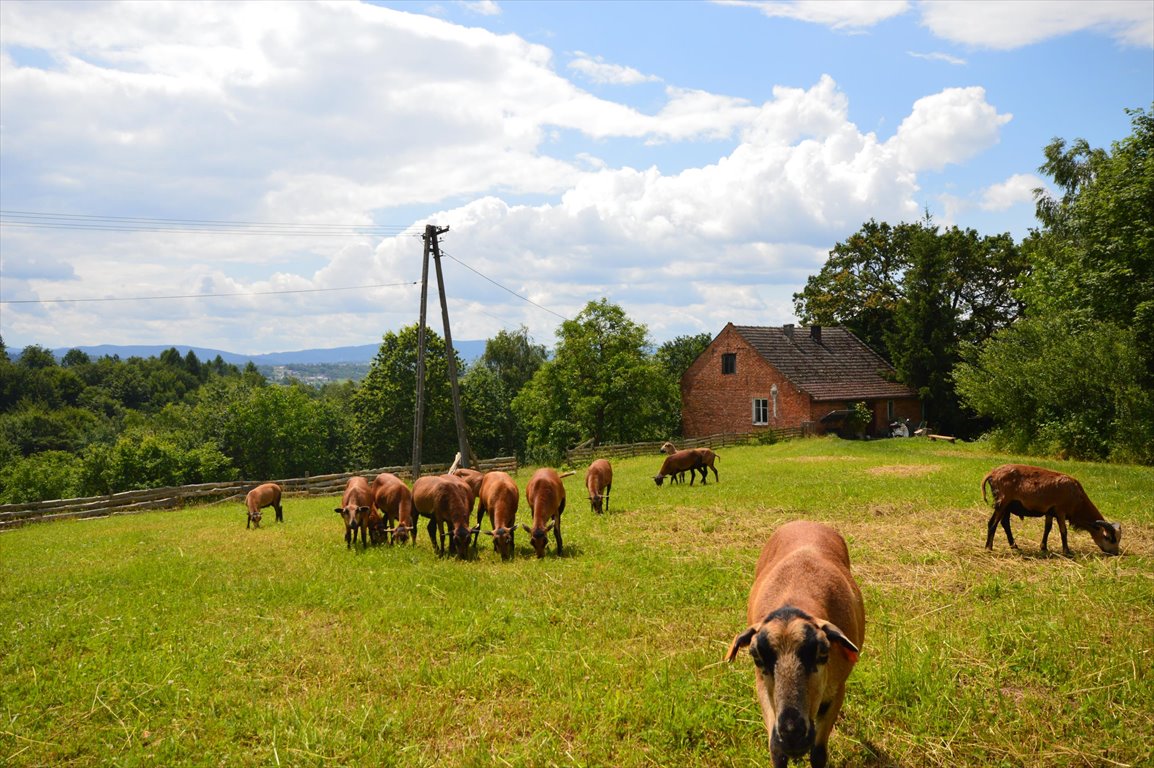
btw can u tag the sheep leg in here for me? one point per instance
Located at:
(431, 528)
(607, 489)
(279, 513)
(1062, 530)
(704, 475)
(557, 534)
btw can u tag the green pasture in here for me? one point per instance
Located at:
(181, 639)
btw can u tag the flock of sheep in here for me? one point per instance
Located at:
(805, 610)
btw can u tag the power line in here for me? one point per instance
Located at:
(503, 288)
(84, 222)
(205, 295)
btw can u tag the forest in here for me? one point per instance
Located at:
(1043, 347)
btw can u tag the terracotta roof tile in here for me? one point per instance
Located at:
(838, 367)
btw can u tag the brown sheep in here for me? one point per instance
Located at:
(806, 626)
(599, 482)
(446, 500)
(499, 499)
(392, 498)
(265, 495)
(1026, 491)
(355, 510)
(546, 496)
(680, 462)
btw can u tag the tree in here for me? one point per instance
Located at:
(859, 287)
(1076, 377)
(514, 358)
(1056, 389)
(924, 337)
(676, 355)
(602, 384)
(489, 386)
(384, 405)
(1094, 259)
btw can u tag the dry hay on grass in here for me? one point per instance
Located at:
(904, 470)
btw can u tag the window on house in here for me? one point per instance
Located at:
(889, 410)
(729, 362)
(760, 410)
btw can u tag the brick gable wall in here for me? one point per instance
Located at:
(713, 402)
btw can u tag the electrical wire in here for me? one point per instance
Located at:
(206, 295)
(503, 288)
(68, 221)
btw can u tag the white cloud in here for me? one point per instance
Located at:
(333, 113)
(842, 14)
(1015, 190)
(943, 57)
(598, 71)
(1007, 24)
(947, 127)
(483, 7)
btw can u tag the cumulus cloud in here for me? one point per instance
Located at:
(1017, 189)
(335, 113)
(1007, 24)
(947, 127)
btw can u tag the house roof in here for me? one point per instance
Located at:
(839, 366)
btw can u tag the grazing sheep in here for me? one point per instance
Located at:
(393, 499)
(499, 498)
(707, 459)
(599, 482)
(1027, 491)
(680, 462)
(265, 495)
(473, 479)
(807, 624)
(446, 500)
(355, 510)
(546, 496)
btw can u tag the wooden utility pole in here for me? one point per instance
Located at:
(419, 411)
(451, 356)
(432, 246)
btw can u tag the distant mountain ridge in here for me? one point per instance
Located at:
(469, 350)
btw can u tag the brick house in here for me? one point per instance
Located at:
(752, 378)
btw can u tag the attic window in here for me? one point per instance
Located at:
(728, 363)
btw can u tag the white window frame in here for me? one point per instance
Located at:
(764, 403)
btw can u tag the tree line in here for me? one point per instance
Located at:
(1045, 346)
(83, 427)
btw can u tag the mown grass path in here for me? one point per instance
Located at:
(181, 639)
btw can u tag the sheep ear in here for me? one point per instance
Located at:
(740, 642)
(836, 636)
(475, 529)
(490, 533)
(338, 510)
(527, 528)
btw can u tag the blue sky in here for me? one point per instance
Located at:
(693, 162)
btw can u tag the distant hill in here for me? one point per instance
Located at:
(469, 351)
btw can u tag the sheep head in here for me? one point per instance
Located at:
(1108, 536)
(801, 663)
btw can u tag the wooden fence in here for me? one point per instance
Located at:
(584, 454)
(176, 497)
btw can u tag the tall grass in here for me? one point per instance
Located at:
(180, 638)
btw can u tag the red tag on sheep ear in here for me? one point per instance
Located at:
(849, 653)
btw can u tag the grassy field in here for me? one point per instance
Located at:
(180, 638)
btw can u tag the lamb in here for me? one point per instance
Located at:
(392, 498)
(1027, 491)
(499, 498)
(546, 496)
(680, 462)
(807, 624)
(265, 495)
(355, 510)
(446, 500)
(599, 482)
